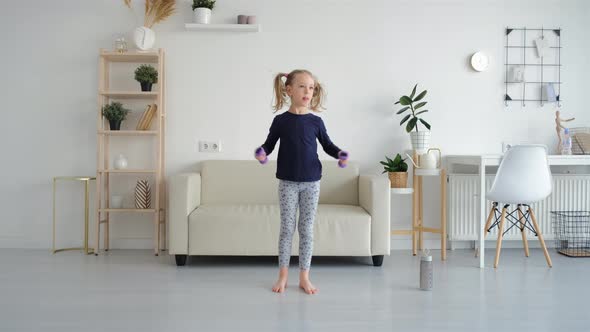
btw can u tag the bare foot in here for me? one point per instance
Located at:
(306, 285)
(280, 285)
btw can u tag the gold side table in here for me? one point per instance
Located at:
(86, 180)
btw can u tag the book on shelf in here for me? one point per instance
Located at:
(145, 122)
(149, 117)
(142, 118)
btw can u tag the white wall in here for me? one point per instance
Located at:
(219, 86)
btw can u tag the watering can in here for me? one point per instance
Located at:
(427, 160)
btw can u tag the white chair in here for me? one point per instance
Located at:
(523, 178)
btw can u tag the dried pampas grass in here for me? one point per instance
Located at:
(156, 11)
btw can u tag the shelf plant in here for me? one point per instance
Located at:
(397, 170)
(115, 113)
(146, 75)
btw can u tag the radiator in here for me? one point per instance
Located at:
(570, 192)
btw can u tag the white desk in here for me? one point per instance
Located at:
(494, 160)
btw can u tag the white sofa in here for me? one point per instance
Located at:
(231, 208)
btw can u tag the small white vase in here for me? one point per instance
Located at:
(144, 38)
(420, 141)
(120, 162)
(202, 15)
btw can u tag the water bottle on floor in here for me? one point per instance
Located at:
(566, 143)
(426, 270)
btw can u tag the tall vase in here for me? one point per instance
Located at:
(144, 38)
(143, 195)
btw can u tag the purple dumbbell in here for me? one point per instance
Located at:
(260, 152)
(342, 156)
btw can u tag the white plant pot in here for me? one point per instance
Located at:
(144, 38)
(120, 162)
(420, 141)
(202, 15)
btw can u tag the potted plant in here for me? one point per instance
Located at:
(397, 170)
(202, 10)
(115, 113)
(146, 75)
(420, 139)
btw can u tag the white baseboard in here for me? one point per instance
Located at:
(19, 242)
(399, 244)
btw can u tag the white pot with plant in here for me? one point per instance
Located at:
(155, 11)
(420, 139)
(202, 10)
(397, 170)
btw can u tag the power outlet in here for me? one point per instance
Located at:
(209, 146)
(215, 146)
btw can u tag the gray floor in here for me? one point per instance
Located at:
(136, 291)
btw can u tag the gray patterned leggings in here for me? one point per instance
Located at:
(306, 196)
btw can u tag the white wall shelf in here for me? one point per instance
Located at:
(223, 27)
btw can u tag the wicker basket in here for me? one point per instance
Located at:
(398, 179)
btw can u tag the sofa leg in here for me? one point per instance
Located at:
(180, 260)
(377, 260)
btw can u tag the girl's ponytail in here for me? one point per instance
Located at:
(319, 95)
(280, 91)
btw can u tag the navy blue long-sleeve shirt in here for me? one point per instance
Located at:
(298, 158)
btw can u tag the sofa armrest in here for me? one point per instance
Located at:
(374, 196)
(184, 196)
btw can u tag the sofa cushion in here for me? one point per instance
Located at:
(248, 182)
(253, 229)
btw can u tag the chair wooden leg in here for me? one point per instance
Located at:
(538, 230)
(420, 215)
(488, 223)
(107, 233)
(499, 242)
(414, 213)
(443, 214)
(523, 232)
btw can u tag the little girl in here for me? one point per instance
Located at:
(299, 169)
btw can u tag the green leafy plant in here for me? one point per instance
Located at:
(203, 4)
(115, 111)
(146, 74)
(409, 104)
(396, 165)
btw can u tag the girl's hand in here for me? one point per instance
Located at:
(260, 155)
(342, 159)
